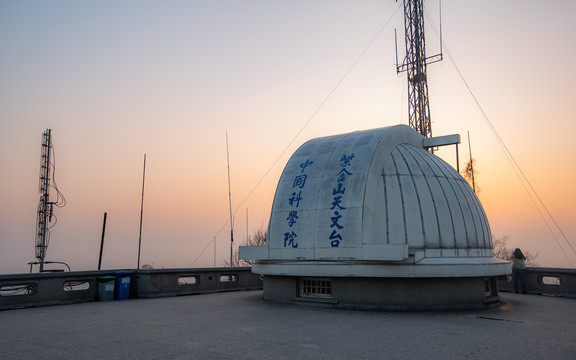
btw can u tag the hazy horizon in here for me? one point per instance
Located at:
(117, 80)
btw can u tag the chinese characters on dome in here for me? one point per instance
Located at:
(294, 201)
(338, 194)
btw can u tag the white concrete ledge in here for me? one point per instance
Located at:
(428, 268)
(441, 140)
(253, 252)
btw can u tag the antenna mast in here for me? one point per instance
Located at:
(230, 203)
(414, 65)
(45, 206)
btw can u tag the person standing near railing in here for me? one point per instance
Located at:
(519, 270)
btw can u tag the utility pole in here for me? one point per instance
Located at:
(102, 241)
(414, 64)
(141, 212)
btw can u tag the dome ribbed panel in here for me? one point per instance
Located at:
(438, 209)
(420, 175)
(395, 218)
(460, 224)
(410, 201)
(442, 214)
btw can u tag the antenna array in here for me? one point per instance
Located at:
(414, 65)
(45, 213)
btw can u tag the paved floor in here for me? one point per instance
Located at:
(240, 325)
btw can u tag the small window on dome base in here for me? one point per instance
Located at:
(315, 288)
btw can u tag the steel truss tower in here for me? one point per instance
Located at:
(414, 65)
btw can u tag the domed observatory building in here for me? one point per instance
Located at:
(371, 220)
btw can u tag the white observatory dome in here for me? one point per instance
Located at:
(375, 205)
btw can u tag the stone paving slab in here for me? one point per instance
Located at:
(240, 325)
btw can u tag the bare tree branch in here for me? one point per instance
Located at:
(257, 239)
(502, 251)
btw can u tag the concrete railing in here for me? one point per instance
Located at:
(30, 290)
(545, 281)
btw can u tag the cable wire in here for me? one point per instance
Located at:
(310, 118)
(532, 193)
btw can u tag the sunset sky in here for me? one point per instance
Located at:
(115, 80)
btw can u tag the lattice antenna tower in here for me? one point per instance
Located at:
(414, 65)
(45, 207)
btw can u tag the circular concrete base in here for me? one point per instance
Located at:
(400, 294)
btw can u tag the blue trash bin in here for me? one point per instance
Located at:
(122, 288)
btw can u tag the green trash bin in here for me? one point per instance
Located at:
(106, 288)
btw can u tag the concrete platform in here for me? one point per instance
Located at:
(240, 325)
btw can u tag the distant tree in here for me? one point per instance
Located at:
(502, 251)
(257, 239)
(470, 174)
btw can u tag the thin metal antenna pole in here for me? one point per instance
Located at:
(102, 242)
(457, 160)
(214, 251)
(471, 163)
(230, 203)
(141, 212)
(396, 47)
(441, 43)
(247, 225)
